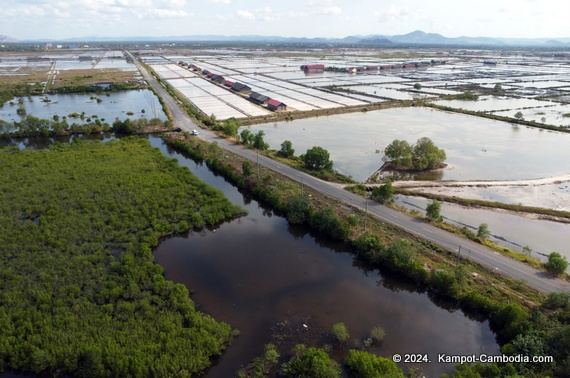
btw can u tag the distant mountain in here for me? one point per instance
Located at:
(6, 39)
(417, 37)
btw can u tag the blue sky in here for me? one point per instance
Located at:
(59, 19)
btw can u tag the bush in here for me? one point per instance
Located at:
(340, 332)
(326, 221)
(298, 210)
(311, 362)
(377, 334)
(366, 365)
(556, 264)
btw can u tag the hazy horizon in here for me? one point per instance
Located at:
(58, 19)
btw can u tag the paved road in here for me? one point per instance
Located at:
(464, 247)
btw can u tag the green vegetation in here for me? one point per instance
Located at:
(377, 334)
(287, 150)
(366, 365)
(311, 362)
(32, 126)
(254, 140)
(469, 96)
(424, 155)
(261, 366)
(316, 159)
(81, 294)
(556, 264)
(433, 211)
(384, 193)
(340, 332)
(483, 231)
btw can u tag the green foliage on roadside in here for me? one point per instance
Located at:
(433, 211)
(316, 159)
(287, 149)
(556, 264)
(384, 193)
(81, 294)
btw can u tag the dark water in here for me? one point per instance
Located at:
(252, 272)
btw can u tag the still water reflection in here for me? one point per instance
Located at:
(253, 271)
(477, 148)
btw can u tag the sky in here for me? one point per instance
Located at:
(60, 19)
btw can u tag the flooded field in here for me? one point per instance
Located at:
(509, 230)
(477, 149)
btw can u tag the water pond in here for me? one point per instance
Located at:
(255, 271)
(477, 149)
(114, 105)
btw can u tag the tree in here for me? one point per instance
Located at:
(340, 332)
(519, 116)
(399, 153)
(498, 88)
(317, 158)
(417, 86)
(230, 127)
(426, 155)
(384, 193)
(483, 231)
(287, 149)
(557, 264)
(433, 211)
(298, 210)
(258, 141)
(311, 362)
(247, 168)
(246, 137)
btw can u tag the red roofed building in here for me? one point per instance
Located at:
(313, 67)
(275, 105)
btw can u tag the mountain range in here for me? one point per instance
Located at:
(417, 37)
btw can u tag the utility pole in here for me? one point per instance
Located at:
(366, 213)
(258, 164)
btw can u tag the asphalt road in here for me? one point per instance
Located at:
(478, 253)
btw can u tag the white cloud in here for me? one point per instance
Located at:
(162, 13)
(323, 7)
(333, 10)
(174, 4)
(219, 1)
(398, 14)
(246, 15)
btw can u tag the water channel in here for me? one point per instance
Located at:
(254, 271)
